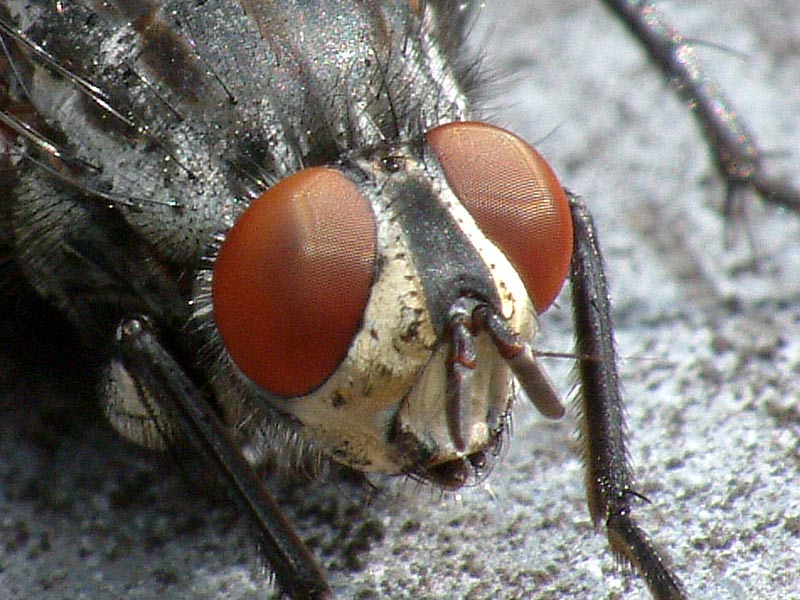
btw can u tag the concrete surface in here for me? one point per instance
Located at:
(711, 347)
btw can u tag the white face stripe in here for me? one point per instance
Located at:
(350, 413)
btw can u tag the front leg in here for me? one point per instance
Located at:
(609, 481)
(177, 408)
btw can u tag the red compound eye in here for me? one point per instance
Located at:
(292, 279)
(514, 197)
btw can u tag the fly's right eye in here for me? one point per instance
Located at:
(292, 279)
(514, 197)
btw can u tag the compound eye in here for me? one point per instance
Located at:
(292, 279)
(514, 197)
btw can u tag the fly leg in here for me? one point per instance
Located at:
(609, 481)
(180, 409)
(732, 147)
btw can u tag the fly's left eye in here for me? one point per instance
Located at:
(292, 279)
(514, 197)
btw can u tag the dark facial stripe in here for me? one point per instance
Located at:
(448, 264)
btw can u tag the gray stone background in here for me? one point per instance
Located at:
(710, 340)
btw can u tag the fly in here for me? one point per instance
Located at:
(278, 247)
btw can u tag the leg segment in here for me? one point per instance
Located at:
(183, 406)
(734, 150)
(608, 475)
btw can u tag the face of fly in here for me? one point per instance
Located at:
(331, 245)
(402, 287)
